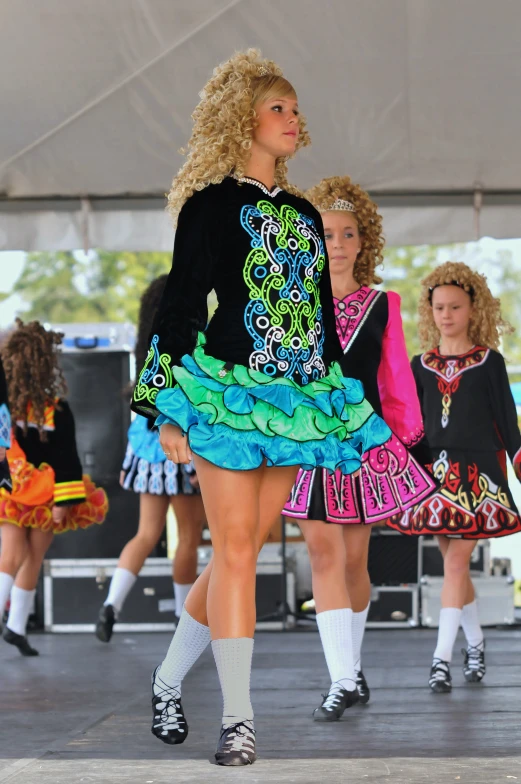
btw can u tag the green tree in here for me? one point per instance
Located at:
(65, 287)
(403, 270)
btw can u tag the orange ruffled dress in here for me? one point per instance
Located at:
(48, 473)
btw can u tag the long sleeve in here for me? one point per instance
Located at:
(332, 348)
(396, 384)
(63, 458)
(5, 415)
(504, 410)
(183, 310)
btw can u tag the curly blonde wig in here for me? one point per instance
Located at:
(486, 325)
(224, 122)
(32, 371)
(369, 221)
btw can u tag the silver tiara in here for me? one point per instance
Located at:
(262, 70)
(341, 204)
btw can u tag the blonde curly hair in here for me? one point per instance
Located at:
(485, 329)
(224, 122)
(369, 221)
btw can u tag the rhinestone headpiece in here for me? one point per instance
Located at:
(262, 70)
(341, 204)
(465, 286)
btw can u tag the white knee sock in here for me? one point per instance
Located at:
(120, 586)
(6, 583)
(470, 624)
(191, 638)
(335, 633)
(21, 606)
(181, 591)
(233, 659)
(450, 618)
(359, 621)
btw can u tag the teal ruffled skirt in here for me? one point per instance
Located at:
(238, 418)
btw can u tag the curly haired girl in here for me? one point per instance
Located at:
(159, 484)
(369, 328)
(470, 423)
(256, 392)
(49, 493)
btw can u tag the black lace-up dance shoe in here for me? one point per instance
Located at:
(105, 624)
(440, 680)
(168, 722)
(474, 663)
(19, 641)
(335, 702)
(364, 692)
(236, 745)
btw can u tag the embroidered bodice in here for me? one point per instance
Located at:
(264, 254)
(467, 402)
(369, 328)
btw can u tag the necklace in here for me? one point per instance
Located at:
(253, 181)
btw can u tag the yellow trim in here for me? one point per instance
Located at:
(69, 491)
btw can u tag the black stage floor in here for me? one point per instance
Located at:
(80, 713)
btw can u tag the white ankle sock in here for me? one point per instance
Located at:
(233, 659)
(470, 624)
(191, 638)
(21, 606)
(181, 591)
(337, 641)
(359, 621)
(450, 618)
(120, 586)
(6, 583)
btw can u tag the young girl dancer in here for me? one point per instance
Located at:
(49, 493)
(470, 422)
(369, 327)
(259, 393)
(159, 483)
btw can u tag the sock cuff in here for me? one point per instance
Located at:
(333, 614)
(22, 591)
(188, 619)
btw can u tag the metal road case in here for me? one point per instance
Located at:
(394, 607)
(74, 590)
(495, 597)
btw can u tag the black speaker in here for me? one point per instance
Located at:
(97, 381)
(393, 558)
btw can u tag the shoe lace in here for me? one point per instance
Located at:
(333, 697)
(169, 715)
(440, 671)
(475, 657)
(240, 737)
(361, 681)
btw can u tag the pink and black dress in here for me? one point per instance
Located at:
(392, 478)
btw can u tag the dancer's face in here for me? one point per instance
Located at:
(342, 240)
(277, 127)
(452, 311)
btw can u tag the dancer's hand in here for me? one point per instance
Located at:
(122, 478)
(174, 444)
(58, 514)
(3, 453)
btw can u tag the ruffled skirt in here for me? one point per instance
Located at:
(238, 418)
(31, 501)
(390, 482)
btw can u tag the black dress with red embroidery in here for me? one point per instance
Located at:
(471, 425)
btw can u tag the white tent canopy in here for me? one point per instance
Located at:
(418, 100)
